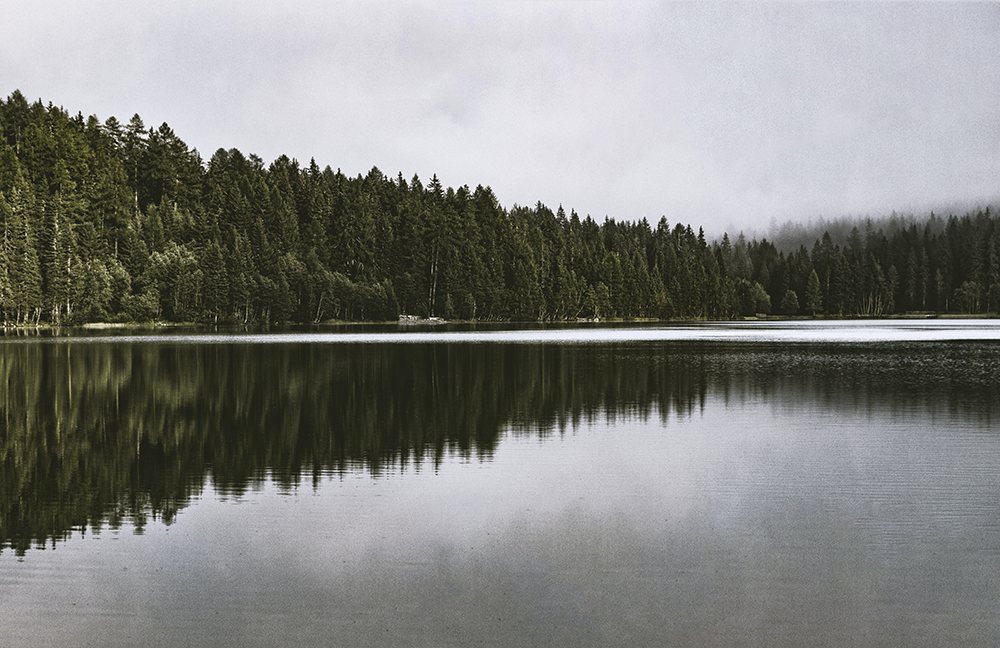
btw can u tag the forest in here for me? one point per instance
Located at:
(120, 222)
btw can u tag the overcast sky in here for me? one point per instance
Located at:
(720, 115)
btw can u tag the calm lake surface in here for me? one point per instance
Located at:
(736, 484)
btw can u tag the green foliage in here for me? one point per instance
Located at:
(790, 303)
(751, 298)
(113, 221)
(813, 296)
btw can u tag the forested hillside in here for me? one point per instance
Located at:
(112, 221)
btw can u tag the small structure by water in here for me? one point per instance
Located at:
(407, 320)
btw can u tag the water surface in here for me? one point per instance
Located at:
(731, 485)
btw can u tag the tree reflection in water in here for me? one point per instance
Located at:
(99, 432)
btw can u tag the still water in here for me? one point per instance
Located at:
(828, 484)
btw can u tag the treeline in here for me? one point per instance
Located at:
(107, 221)
(940, 265)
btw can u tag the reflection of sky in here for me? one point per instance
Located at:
(820, 331)
(750, 523)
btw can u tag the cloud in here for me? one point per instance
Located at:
(712, 113)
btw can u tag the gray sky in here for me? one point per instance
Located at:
(718, 115)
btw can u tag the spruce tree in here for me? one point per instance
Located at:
(790, 303)
(814, 298)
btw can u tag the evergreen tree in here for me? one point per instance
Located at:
(814, 298)
(790, 303)
(23, 270)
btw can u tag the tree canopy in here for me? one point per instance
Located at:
(105, 221)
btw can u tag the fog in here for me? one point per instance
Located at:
(726, 116)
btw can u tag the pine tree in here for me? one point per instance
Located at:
(790, 303)
(814, 298)
(216, 295)
(24, 273)
(134, 151)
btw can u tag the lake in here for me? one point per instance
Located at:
(730, 484)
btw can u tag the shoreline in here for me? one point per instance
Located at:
(412, 320)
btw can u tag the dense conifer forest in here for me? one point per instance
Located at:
(120, 222)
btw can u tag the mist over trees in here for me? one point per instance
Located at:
(123, 222)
